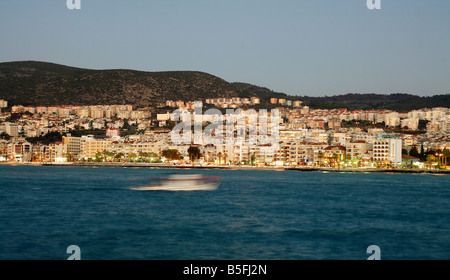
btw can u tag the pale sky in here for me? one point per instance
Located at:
(299, 47)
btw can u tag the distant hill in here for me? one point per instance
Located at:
(262, 92)
(354, 101)
(42, 83)
(396, 101)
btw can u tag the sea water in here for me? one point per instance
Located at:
(254, 214)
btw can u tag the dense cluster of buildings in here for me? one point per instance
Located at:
(304, 137)
(234, 102)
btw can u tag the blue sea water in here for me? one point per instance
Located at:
(254, 214)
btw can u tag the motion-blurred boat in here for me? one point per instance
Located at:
(183, 182)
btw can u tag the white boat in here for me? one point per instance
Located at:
(183, 182)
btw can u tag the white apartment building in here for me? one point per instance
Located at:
(32, 132)
(340, 138)
(411, 123)
(358, 149)
(392, 119)
(147, 147)
(140, 114)
(301, 152)
(12, 129)
(361, 136)
(124, 114)
(387, 150)
(163, 117)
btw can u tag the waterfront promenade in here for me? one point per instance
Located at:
(233, 167)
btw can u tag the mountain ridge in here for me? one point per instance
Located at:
(44, 83)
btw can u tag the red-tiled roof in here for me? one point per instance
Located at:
(409, 157)
(335, 147)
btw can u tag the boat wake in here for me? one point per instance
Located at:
(183, 182)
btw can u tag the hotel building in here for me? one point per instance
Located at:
(387, 149)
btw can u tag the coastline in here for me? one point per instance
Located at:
(230, 167)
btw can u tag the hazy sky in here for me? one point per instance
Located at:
(300, 47)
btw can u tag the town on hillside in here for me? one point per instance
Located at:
(304, 137)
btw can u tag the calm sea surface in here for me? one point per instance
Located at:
(255, 214)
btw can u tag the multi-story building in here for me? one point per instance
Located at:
(41, 110)
(224, 153)
(171, 103)
(30, 109)
(57, 152)
(53, 110)
(316, 123)
(140, 114)
(180, 103)
(31, 132)
(339, 138)
(163, 117)
(387, 149)
(410, 123)
(90, 146)
(334, 154)
(304, 110)
(358, 149)
(361, 136)
(124, 114)
(73, 145)
(12, 129)
(137, 148)
(303, 153)
(17, 109)
(19, 151)
(3, 150)
(97, 112)
(82, 112)
(334, 123)
(110, 113)
(149, 147)
(297, 103)
(255, 100)
(409, 140)
(392, 119)
(65, 111)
